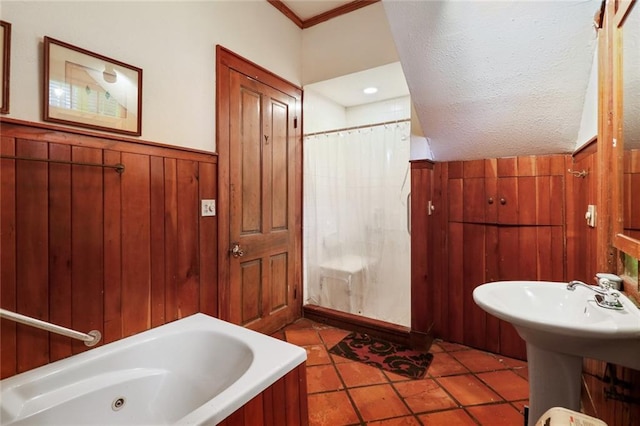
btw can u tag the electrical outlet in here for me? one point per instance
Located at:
(208, 207)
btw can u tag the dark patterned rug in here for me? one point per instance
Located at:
(393, 357)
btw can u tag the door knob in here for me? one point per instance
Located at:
(236, 250)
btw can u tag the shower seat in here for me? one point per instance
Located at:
(349, 271)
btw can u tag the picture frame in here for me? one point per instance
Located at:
(86, 89)
(5, 66)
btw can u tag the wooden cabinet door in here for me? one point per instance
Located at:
(262, 159)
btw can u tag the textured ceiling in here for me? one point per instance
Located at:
(495, 79)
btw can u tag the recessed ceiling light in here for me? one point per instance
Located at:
(370, 90)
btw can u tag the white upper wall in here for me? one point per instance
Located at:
(349, 43)
(589, 124)
(172, 41)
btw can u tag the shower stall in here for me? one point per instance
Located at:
(356, 228)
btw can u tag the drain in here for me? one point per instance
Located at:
(117, 404)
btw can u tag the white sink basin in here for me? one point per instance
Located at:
(549, 307)
(561, 327)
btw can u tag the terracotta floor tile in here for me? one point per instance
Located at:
(317, 354)
(522, 372)
(322, 378)
(451, 417)
(497, 415)
(435, 347)
(451, 347)
(477, 361)
(358, 374)
(378, 402)
(468, 390)
(331, 336)
(519, 405)
(444, 364)
(302, 323)
(395, 377)
(507, 384)
(279, 335)
(339, 359)
(331, 409)
(398, 421)
(512, 362)
(303, 337)
(424, 395)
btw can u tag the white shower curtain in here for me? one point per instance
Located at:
(356, 242)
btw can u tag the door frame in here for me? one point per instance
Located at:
(225, 61)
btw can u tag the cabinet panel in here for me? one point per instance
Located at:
(474, 275)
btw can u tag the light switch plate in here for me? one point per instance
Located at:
(208, 207)
(590, 216)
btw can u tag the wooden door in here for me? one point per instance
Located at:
(263, 205)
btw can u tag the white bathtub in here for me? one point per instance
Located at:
(197, 370)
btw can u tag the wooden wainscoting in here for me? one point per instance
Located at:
(89, 248)
(283, 403)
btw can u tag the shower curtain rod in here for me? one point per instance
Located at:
(344, 129)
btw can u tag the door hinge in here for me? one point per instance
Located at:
(295, 122)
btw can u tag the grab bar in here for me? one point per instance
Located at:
(90, 339)
(409, 213)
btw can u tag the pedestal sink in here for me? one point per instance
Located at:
(560, 328)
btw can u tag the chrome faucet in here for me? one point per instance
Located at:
(573, 284)
(605, 297)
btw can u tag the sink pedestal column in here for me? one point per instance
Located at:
(554, 381)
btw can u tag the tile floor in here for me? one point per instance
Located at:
(463, 386)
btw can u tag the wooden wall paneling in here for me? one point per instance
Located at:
(526, 199)
(422, 296)
(32, 276)
(171, 238)
(455, 285)
(279, 398)
(78, 239)
(456, 197)
(581, 241)
(156, 218)
(544, 266)
(282, 403)
(112, 330)
(507, 166)
(473, 272)
(438, 251)
(527, 165)
(545, 202)
(136, 241)
(558, 264)
(87, 228)
(492, 273)
(509, 254)
(455, 169)
(188, 250)
(8, 290)
(254, 411)
(474, 199)
(527, 253)
(208, 243)
(60, 258)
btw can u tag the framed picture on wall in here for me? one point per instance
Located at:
(5, 67)
(86, 89)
